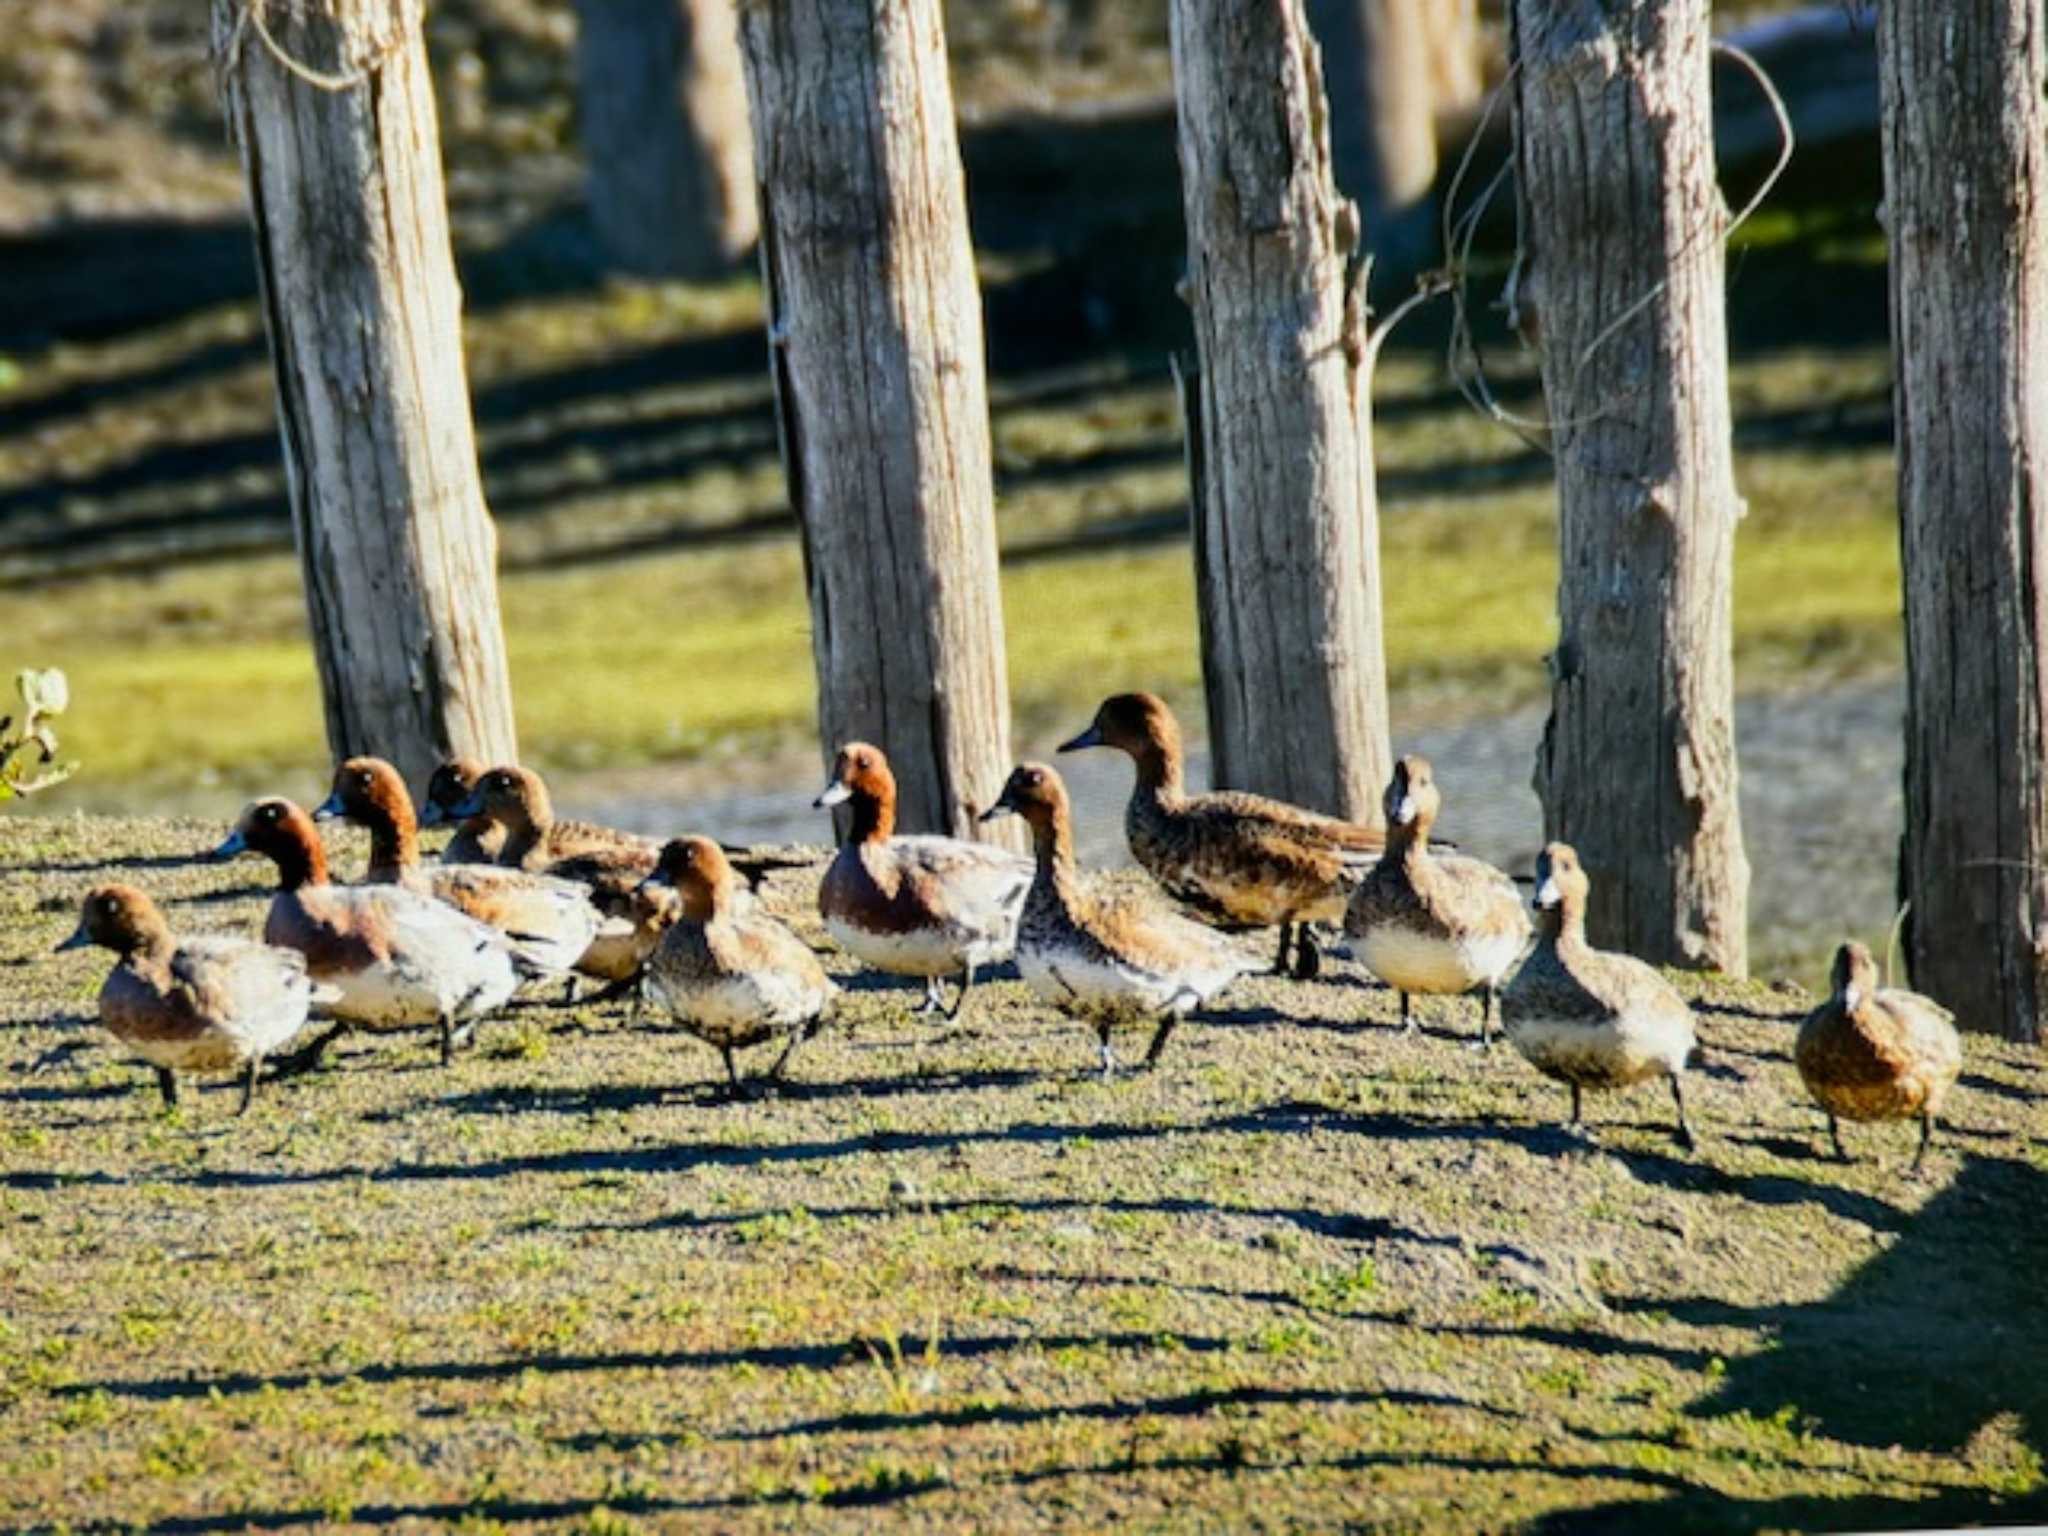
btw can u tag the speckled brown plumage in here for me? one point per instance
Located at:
(732, 979)
(1235, 859)
(1872, 1053)
(553, 920)
(210, 1004)
(923, 906)
(1590, 1018)
(1106, 961)
(1424, 921)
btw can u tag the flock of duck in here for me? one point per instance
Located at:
(521, 895)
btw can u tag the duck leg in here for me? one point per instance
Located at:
(572, 984)
(1108, 1055)
(732, 1073)
(249, 1084)
(1926, 1141)
(1158, 1044)
(307, 1057)
(934, 998)
(1407, 1016)
(1308, 955)
(960, 1001)
(775, 1072)
(447, 1025)
(1286, 944)
(1835, 1136)
(1683, 1135)
(167, 1085)
(1487, 995)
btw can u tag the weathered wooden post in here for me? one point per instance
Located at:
(668, 153)
(1620, 285)
(1394, 68)
(881, 390)
(1966, 205)
(1279, 417)
(332, 106)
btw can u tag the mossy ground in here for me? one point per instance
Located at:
(1309, 1273)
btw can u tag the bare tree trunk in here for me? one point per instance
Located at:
(1965, 141)
(1395, 67)
(881, 390)
(665, 137)
(1622, 279)
(1287, 521)
(365, 324)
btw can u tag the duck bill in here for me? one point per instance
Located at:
(1092, 737)
(431, 814)
(79, 940)
(330, 808)
(654, 883)
(997, 811)
(833, 794)
(462, 810)
(233, 844)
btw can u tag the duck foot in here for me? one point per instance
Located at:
(1308, 955)
(308, 1056)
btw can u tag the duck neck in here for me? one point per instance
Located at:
(301, 862)
(394, 846)
(1408, 843)
(150, 946)
(1159, 772)
(522, 836)
(1052, 844)
(1563, 926)
(873, 817)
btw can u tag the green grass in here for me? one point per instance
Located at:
(201, 673)
(1308, 1274)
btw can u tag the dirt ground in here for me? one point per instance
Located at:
(1308, 1274)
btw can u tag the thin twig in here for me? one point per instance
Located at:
(252, 11)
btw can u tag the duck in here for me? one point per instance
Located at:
(733, 979)
(1237, 860)
(552, 921)
(924, 906)
(477, 839)
(1590, 1018)
(1877, 1053)
(1099, 959)
(208, 1005)
(396, 959)
(606, 859)
(1427, 921)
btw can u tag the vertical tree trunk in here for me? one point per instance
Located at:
(1965, 140)
(364, 317)
(1622, 276)
(881, 390)
(1395, 67)
(1287, 526)
(665, 137)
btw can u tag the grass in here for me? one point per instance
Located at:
(201, 673)
(1308, 1274)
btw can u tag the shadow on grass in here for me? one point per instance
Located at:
(1180, 1405)
(774, 1357)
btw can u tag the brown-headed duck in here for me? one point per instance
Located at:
(552, 921)
(1234, 859)
(1104, 960)
(1877, 1053)
(1427, 921)
(924, 906)
(399, 960)
(733, 979)
(1586, 1017)
(203, 1005)
(477, 839)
